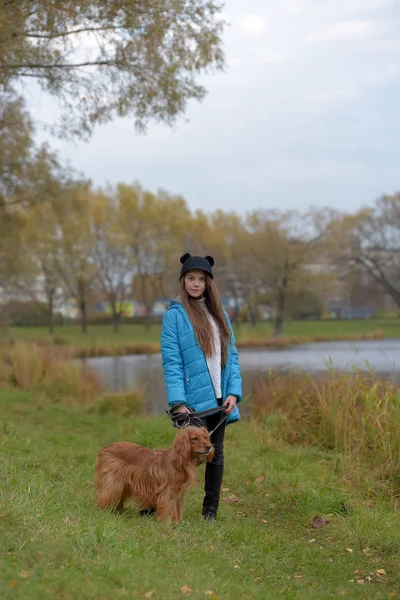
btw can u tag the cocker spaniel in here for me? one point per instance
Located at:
(157, 479)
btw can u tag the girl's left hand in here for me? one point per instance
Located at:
(230, 404)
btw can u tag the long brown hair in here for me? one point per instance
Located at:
(199, 319)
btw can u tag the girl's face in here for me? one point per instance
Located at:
(195, 283)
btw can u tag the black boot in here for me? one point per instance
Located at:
(209, 514)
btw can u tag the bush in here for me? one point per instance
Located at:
(29, 366)
(27, 314)
(357, 414)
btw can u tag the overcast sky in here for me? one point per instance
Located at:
(306, 113)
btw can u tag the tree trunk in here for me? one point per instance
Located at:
(82, 307)
(280, 310)
(251, 313)
(50, 305)
(148, 318)
(116, 316)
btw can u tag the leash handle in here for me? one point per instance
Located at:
(192, 417)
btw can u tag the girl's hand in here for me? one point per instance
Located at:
(183, 409)
(230, 404)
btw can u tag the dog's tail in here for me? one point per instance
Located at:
(109, 482)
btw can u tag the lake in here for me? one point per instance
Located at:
(131, 372)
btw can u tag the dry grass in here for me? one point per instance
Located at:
(48, 370)
(357, 415)
(92, 348)
(99, 349)
(284, 342)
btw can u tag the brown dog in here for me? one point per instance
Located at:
(157, 479)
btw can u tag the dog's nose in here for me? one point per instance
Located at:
(208, 448)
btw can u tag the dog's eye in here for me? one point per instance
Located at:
(195, 439)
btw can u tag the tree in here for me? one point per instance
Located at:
(106, 59)
(370, 241)
(233, 245)
(112, 252)
(29, 176)
(154, 227)
(288, 244)
(15, 157)
(41, 236)
(15, 150)
(75, 248)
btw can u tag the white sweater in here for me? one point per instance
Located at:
(214, 361)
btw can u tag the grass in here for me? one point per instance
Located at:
(101, 340)
(56, 543)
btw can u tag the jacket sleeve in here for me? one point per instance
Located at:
(172, 359)
(235, 379)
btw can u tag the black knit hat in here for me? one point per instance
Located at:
(190, 263)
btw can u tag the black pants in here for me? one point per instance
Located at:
(215, 469)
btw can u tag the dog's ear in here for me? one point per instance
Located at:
(182, 443)
(210, 455)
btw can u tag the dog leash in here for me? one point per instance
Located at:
(193, 418)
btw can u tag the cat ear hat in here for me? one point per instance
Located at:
(192, 263)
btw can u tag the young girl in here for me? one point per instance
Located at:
(200, 362)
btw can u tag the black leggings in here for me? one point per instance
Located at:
(215, 469)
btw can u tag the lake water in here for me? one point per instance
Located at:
(145, 372)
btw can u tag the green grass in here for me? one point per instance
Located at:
(104, 334)
(55, 543)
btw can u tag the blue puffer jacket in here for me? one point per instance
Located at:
(186, 374)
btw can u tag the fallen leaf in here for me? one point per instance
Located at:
(212, 548)
(185, 589)
(24, 574)
(369, 579)
(349, 550)
(211, 594)
(232, 499)
(358, 572)
(225, 489)
(259, 479)
(311, 541)
(319, 522)
(237, 567)
(299, 576)
(360, 581)
(379, 580)
(264, 521)
(149, 594)
(381, 571)
(14, 584)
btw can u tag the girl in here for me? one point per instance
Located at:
(200, 362)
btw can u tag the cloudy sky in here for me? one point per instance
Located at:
(306, 113)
